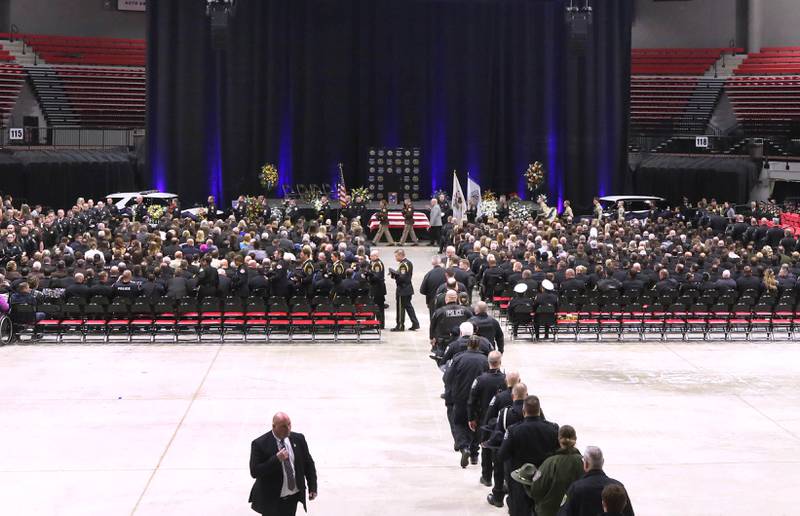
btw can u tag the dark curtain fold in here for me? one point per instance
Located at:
(484, 87)
(180, 98)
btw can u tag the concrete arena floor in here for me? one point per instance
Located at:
(691, 429)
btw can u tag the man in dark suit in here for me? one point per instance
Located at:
(281, 464)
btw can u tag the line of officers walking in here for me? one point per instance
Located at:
(494, 420)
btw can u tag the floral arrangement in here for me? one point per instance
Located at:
(317, 204)
(253, 209)
(361, 191)
(489, 195)
(489, 207)
(268, 176)
(155, 211)
(517, 210)
(534, 176)
(309, 195)
(276, 213)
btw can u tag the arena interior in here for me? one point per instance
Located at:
(399, 257)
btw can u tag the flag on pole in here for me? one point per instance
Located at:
(341, 189)
(474, 195)
(459, 203)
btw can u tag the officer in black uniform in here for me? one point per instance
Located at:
(405, 291)
(445, 322)
(531, 441)
(458, 381)
(487, 326)
(377, 284)
(337, 268)
(306, 271)
(545, 306)
(510, 415)
(483, 391)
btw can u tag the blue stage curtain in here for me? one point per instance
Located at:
(484, 87)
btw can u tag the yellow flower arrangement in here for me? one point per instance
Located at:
(268, 177)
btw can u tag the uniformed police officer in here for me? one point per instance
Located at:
(531, 441)
(458, 381)
(484, 389)
(509, 415)
(307, 269)
(383, 224)
(487, 326)
(502, 400)
(405, 291)
(459, 345)
(377, 284)
(445, 322)
(337, 268)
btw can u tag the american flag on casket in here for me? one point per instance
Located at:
(396, 220)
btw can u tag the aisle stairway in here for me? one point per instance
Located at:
(49, 90)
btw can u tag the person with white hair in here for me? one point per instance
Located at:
(459, 345)
(584, 496)
(487, 326)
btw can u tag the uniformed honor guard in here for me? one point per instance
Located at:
(408, 223)
(377, 285)
(383, 224)
(402, 277)
(307, 267)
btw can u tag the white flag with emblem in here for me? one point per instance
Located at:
(474, 195)
(459, 203)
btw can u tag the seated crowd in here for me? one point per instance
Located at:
(689, 258)
(93, 251)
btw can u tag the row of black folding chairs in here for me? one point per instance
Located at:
(676, 325)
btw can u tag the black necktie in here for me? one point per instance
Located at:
(287, 466)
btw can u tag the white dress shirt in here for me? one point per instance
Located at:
(285, 491)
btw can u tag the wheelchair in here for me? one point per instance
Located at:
(6, 330)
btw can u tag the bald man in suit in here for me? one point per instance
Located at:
(282, 465)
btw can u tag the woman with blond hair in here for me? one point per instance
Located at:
(770, 282)
(556, 474)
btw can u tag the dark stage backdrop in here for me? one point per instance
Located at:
(480, 86)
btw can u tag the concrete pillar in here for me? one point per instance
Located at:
(741, 23)
(755, 25)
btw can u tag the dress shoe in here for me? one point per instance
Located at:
(486, 482)
(473, 459)
(494, 501)
(398, 328)
(464, 458)
(414, 327)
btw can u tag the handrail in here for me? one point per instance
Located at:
(71, 137)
